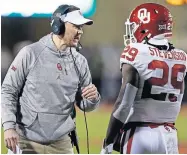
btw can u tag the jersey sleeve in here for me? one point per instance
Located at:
(184, 56)
(130, 56)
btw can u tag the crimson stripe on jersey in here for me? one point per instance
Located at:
(129, 144)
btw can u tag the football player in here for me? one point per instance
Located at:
(152, 89)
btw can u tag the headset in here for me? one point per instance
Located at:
(58, 28)
(57, 24)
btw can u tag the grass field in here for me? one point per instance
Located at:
(97, 124)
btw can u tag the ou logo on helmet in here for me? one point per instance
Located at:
(144, 16)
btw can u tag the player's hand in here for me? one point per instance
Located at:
(106, 149)
(11, 139)
(90, 92)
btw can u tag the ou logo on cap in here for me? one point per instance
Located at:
(144, 15)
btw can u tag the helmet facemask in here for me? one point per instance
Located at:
(129, 37)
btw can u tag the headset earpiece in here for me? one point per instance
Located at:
(58, 26)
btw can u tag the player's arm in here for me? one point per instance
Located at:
(122, 106)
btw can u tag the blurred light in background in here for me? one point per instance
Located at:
(177, 2)
(43, 8)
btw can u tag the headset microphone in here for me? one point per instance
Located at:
(79, 47)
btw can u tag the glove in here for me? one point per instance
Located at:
(107, 149)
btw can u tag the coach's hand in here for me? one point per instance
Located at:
(90, 92)
(11, 139)
(107, 149)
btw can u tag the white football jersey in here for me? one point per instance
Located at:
(160, 90)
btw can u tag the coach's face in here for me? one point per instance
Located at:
(72, 34)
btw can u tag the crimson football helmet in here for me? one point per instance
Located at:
(149, 20)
